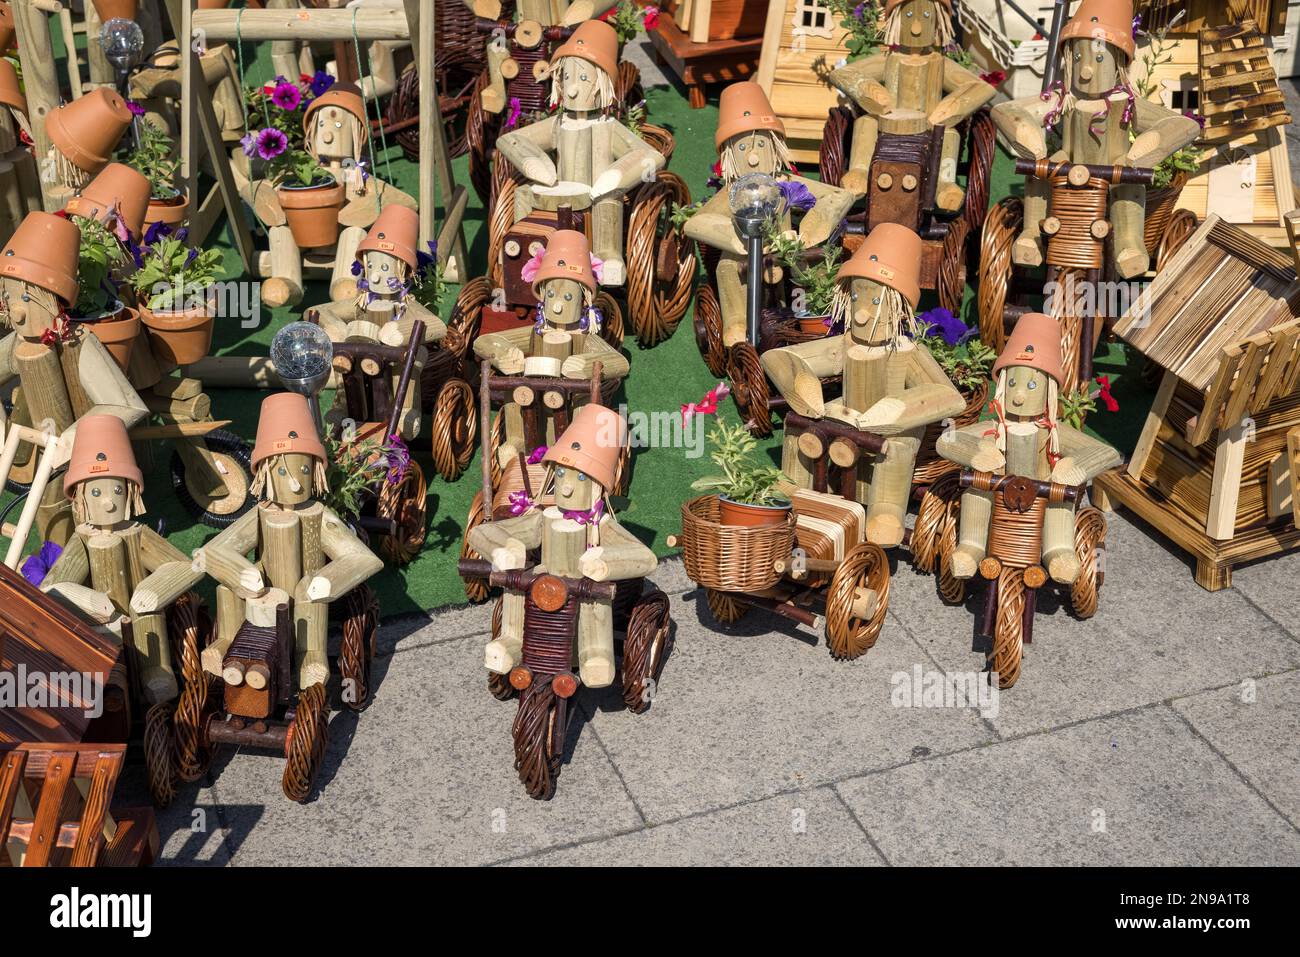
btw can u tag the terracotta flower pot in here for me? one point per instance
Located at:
(814, 325)
(87, 130)
(110, 9)
(179, 338)
(118, 334)
(171, 210)
(750, 516)
(212, 4)
(312, 213)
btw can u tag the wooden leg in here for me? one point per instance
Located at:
(695, 96)
(1212, 576)
(1101, 499)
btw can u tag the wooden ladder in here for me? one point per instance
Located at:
(1239, 90)
(54, 808)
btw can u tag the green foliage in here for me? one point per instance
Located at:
(101, 258)
(680, 214)
(745, 478)
(297, 167)
(862, 20)
(1186, 160)
(626, 20)
(968, 364)
(173, 276)
(634, 117)
(354, 469)
(429, 285)
(1076, 405)
(153, 157)
(1156, 53)
(816, 278)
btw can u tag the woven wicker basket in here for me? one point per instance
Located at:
(731, 557)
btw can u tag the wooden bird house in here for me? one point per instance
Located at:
(802, 43)
(1217, 466)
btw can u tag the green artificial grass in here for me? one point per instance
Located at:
(661, 381)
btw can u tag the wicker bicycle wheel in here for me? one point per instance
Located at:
(1008, 632)
(708, 330)
(190, 632)
(660, 263)
(1182, 223)
(405, 503)
(951, 281)
(1071, 326)
(481, 129)
(1089, 540)
(1160, 206)
(1001, 227)
(454, 429)
(749, 388)
(837, 138)
(644, 650)
(724, 607)
(357, 650)
(466, 317)
(538, 732)
(305, 744)
(611, 313)
(500, 217)
(981, 142)
(935, 536)
(476, 589)
(159, 750)
(661, 139)
(864, 567)
(499, 685)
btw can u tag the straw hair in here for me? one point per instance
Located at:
(1050, 414)
(943, 32)
(69, 173)
(732, 169)
(605, 98)
(897, 310)
(134, 503)
(320, 485)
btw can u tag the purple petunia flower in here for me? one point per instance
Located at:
(321, 82)
(943, 324)
(356, 267)
(399, 459)
(38, 566)
(537, 454)
(286, 96)
(135, 108)
(155, 232)
(797, 195)
(249, 143)
(192, 255)
(271, 143)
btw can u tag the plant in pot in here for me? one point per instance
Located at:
(357, 467)
(966, 361)
(101, 260)
(174, 287)
(813, 277)
(748, 490)
(153, 156)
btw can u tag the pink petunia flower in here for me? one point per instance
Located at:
(650, 19)
(286, 96)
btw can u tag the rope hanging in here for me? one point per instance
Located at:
(370, 140)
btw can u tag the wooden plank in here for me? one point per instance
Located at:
(1205, 422)
(11, 782)
(1211, 109)
(45, 825)
(1151, 428)
(1247, 378)
(1221, 522)
(1293, 459)
(93, 817)
(1280, 353)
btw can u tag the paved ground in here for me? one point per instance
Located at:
(1163, 731)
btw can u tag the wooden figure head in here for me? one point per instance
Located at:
(563, 303)
(1029, 376)
(584, 459)
(334, 125)
(583, 69)
(918, 24)
(103, 480)
(385, 275)
(38, 272)
(292, 478)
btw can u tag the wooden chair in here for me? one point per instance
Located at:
(54, 809)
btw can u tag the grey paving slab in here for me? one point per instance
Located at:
(1256, 726)
(190, 831)
(759, 708)
(424, 776)
(1271, 585)
(1155, 636)
(1139, 788)
(641, 52)
(810, 828)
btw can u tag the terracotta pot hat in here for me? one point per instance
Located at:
(345, 96)
(7, 31)
(742, 108)
(101, 449)
(87, 130)
(395, 232)
(115, 185)
(891, 254)
(567, 256)
(11, 91)
(594, 41)
(891, 4)
(43, 251)
(286, 425)
(591, 444)
(1109, 20)
(1035, 343)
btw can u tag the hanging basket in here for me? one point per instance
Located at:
(732, 557)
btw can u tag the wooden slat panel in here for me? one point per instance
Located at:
(91, 836)
(45, 827)
(1208, 419)
(1247, 379)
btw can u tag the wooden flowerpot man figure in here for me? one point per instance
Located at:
(582, 156)
(1025, 440)
(564, 342)
(20, 185)
(1101, 121)
(751, 139)
(578, 537)
(892, 385)
(114, 565)
(336, 132)
(64, 373)
(84, 134)
(303, 552)
(910, 89)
